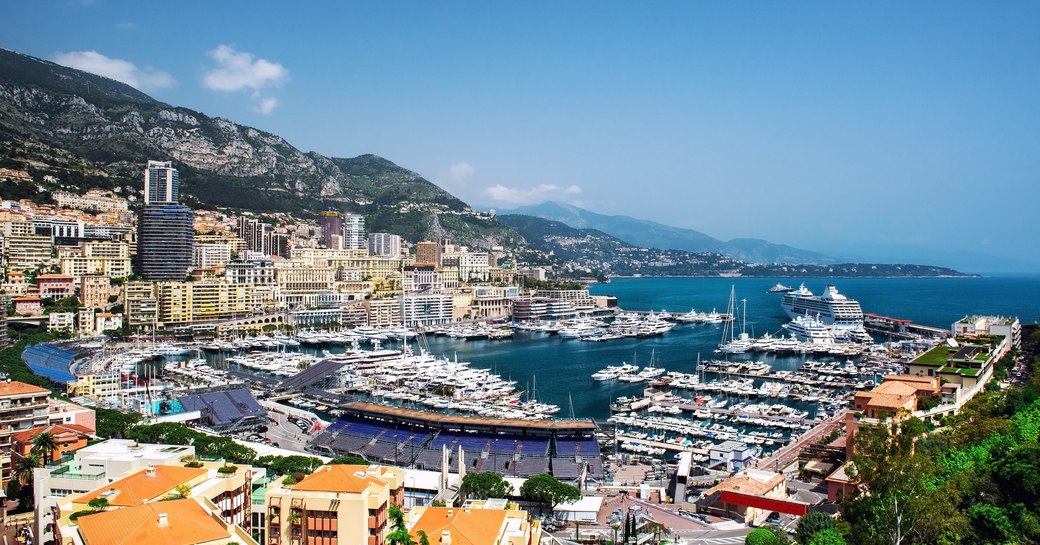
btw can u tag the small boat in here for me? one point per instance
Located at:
(779, 288)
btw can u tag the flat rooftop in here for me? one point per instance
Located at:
(363, 408)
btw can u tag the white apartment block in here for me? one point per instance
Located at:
(205, 256)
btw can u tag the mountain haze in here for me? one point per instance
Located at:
(81, 127)
(655, 235)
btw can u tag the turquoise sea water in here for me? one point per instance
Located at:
(562, 368)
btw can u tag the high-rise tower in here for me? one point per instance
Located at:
(165, 229)
(354, 232)
(331, 224)
(161, 183)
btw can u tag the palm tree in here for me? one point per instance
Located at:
(400, 535)
(45, 445)
(23, 468)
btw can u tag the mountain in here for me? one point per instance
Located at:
(76, 130)
(655, 235)
(589, 252)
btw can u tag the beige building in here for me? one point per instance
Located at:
(492, 301)
(223, 491)
(111, 259)
(27, 252)
(93, 291)
(335, 504)
(187, 302)
(22, 406)
(94, 199)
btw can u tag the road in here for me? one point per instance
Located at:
(784, 456)
(284, 433)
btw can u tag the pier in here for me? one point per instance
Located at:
(900, 328)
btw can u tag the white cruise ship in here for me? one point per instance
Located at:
(831, 308)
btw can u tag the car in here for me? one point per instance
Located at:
(773, 518)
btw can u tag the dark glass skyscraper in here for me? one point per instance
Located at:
(164, 238)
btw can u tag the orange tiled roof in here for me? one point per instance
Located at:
(138, 488)
(29, 434)
(14, 387)
(746, 484)
(467, 526)
(187, 524)
(339, 478)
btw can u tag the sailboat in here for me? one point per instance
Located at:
(735, 344)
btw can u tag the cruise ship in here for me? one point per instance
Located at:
(831, 308)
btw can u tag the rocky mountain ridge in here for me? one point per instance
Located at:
(114, 129)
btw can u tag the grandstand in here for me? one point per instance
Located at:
(513, 448)
(226, 410)
(51, 361)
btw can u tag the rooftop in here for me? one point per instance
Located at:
(340, 478)
(187, 523)
(140, 487)
(750, 481)
(466, 526)
(13, 387)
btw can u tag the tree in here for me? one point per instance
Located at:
(112, 423)
(348, 460)
(399, 535)
(827, 536)
(23, 468)
(98, 504)
(781, 534)
(44, 445)
(812, 523)
(760, 536)
(902, 503)
(423, 538)
(485, 485)
(183, 490)
(544, 489)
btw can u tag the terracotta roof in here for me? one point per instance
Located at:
(467, 526)
(339, 478)
(187, 524)
(138, 488)
(750, 482)
(56, 430)
(18, 388)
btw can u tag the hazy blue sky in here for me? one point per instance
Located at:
(887, 128)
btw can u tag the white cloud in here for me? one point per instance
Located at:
(460, 173)
(266, 105)
(237, 70)
(145, 79)
(540, 193)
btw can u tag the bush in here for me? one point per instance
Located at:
(761, 536)
(227, 470)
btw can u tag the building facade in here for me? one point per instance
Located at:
(164, 241)
(161, 183)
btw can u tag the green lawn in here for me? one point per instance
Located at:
(935, 356)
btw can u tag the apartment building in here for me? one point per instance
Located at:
(187, 302)
(335, 504)
(93, 291)
(22, 407)
(107, 258)
(27, 252)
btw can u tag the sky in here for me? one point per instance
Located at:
(898, 130)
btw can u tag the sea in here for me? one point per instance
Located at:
(558, 371)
